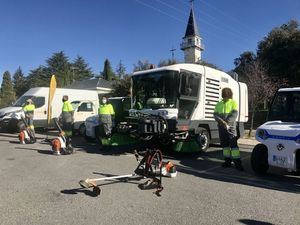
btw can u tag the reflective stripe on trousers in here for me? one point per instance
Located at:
(226, 152)
(234, 153)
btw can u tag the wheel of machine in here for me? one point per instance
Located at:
(259, 159)
(81, 129)
(96, 190)
(203, 139)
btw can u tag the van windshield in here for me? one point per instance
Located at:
(285, 107)
(37, 101)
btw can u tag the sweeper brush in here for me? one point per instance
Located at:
(149, 167)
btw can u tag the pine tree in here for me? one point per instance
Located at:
(19, 82)
(59, 65)
(107, 73)
(121, 70)
(80, 69)
(39, 77)
(7, 92)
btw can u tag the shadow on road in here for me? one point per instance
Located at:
(79, 190)
(208, 166)
(89, 192)
(253, 222)
(46, 152)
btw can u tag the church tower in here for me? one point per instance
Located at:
(192, 42)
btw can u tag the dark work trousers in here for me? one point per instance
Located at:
(106, 122)
(229, 143)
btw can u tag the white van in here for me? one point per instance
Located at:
(85, 104)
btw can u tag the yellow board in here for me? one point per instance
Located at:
(52, 88)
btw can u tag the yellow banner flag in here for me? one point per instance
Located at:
(52, 88)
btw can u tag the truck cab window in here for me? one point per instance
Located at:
(190, 84)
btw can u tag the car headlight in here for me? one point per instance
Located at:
(263, 134)
(297, 139)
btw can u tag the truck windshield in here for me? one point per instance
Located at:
(37, 101)
(285, 107)
(156, 89)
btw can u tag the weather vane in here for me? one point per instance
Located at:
(173, 50)
(192, 2)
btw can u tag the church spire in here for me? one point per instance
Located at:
(192, 42)
(192, 28)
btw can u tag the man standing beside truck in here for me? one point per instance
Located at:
(67, 117)
(29, 112)
(225, 114)
(106, 115)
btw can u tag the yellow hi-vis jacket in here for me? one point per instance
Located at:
(227, 112)
(67, 112)
(28, 110)
(106, 109)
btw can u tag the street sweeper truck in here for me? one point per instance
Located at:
(175, 104)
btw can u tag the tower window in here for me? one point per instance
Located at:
(189, 41)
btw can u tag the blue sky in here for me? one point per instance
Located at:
(129, 30)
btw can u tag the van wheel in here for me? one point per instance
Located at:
(259, 159)
(88, 139)
(14, 125)
(203, 139)
(81, 130)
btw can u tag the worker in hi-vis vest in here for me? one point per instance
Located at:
(67, 116)
(225, 114)
(106, 116)
(29, 112)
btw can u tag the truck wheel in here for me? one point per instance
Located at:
(203, 139)
(259, 159)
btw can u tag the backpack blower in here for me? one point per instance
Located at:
(26, 135)
(61, 144)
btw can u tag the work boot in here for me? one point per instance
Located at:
(227, 163)
(238, 164)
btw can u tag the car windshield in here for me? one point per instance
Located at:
(285, 107)
(37, 101)
(156, 89)
(75, 104)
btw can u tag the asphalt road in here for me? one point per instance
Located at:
(40, 188)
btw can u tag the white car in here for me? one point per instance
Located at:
(121, 107)
(279, 137)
